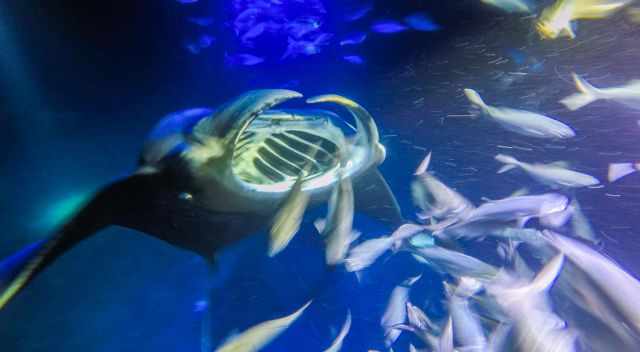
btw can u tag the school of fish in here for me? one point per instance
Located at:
(521, 302)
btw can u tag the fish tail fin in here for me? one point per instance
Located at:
(586, 95)
(509, 161)
(620, 170)
(475, 98)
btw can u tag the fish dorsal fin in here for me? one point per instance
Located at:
(424, 165)
(374, 198)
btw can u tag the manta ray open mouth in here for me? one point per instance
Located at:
(280, 146)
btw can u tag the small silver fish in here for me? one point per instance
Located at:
(552, 175)
(522, 122)
(434, 197)
(258, 336)
(339, 222)
(336, 346)
(396, 311)
(628, 94)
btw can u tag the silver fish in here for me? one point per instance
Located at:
(466, 325)
(507, 210)
(553, 175)
(522, 122)
(336, 346)
(628, 94)
(258, 336)
(434, 197)
(615, 283)
(453, 263)
(396, 311)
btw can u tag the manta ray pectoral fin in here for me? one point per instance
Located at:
(234, 117)
(366, 130)
(374, 198)
(19, 269)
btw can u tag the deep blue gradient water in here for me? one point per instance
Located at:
(83, 83)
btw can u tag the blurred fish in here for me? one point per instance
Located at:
(446, 339)
(337, 231)
(609, 277)
(628, 94)
(253, 32)
(499, 338)
(353, 59)
(205, 41)
(388, 27)
(580, 225)
(202, 42)
(620, 170)
(200, 306)
(497, 229)
(536, 326)
(511, 209)
(522, 122)
(258, 336)
(287, 221)
(553, 175)
(434, 198)
(201, 21)
(336, 346)
(511, 6)
(467, 329)
(192, 48)
(396, 311)
(296, 48)
(354, 39)
(421, 21)
(358, 13)
(453, 263)
(555, 20)
(302, 26)
(243, 59)
(418, 319)
(366, 253)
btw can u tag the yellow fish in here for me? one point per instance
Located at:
(258, 336)
(555, 20)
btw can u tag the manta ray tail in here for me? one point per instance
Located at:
(20, 268)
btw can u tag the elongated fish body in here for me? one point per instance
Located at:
(511, 209)
(555, 20)
(436, 199)
(628, 94)
(466, 325)
(552, 175)
(454, 263)
(202, 173)
(611, 279)
(522, 122)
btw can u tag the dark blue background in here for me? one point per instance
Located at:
(82, 82)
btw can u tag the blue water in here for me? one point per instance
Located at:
(83, 83)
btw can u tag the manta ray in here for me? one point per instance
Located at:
(209, 177)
